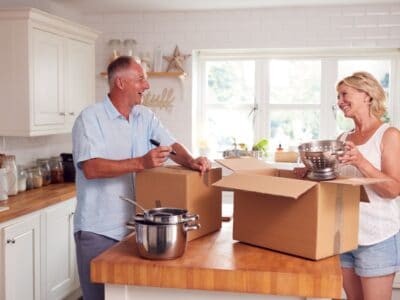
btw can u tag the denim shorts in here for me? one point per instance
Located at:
(375, 260)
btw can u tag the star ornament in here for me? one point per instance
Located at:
(175, 62)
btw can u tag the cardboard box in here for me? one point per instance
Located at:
(300, 217)
(179, 187)
(286, 156)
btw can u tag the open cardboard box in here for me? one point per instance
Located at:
(180, 187)
(273, 209)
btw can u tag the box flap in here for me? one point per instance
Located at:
(270, 185)
(245, 163)
(356, 180)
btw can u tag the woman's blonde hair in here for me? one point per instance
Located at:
(364, 81)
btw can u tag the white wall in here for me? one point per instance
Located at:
(48, 6)
(333, 26)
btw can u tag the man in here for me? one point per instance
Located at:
(111, 142)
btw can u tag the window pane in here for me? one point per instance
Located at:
(293, 127)
(225, 125)
(295, 81)
(380, 69)
(230, 82)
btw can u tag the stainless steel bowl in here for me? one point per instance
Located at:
(321, 158)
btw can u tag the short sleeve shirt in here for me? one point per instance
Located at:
(100, 131)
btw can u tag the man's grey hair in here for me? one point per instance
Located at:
(116, 67)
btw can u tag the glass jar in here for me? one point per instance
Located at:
(56, 169)
(3, 184)
(11, 169)
(29, 179)
(21, 179)
(44, 166)
(37, 177)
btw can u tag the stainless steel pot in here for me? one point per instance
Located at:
(160, 241)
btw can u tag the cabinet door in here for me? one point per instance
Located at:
(80, 78)
(21, 259)
(48, 77)
(58, 251)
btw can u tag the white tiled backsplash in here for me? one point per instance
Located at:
(27, 150)
(290, 27)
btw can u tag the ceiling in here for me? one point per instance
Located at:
(118, 6)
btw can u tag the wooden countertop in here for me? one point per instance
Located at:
(29, 201)
(217, 263)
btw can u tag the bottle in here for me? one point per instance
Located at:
(44, 166)
(56, 169)
(21, 179)
(11, 169)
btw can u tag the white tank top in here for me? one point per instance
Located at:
(380, 218)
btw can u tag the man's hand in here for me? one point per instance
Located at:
(201, 163)
(156, 157)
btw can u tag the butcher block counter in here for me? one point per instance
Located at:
(30, 201)
(215, 263)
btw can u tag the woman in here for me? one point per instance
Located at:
(372, 150)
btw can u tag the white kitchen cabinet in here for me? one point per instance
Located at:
(47, 74)
(21, 246)
(48, 78)
(37, 255)
(80, 79)
(58, 262)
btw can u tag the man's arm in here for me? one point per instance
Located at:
(184, 158)
(107, 168)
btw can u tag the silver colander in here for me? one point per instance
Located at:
(321, 158)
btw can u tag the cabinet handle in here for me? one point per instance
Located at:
(62, 113)
(10, 241)
(72, 113)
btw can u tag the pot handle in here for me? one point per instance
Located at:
(189, 227)
(131, 227)
(190, 218)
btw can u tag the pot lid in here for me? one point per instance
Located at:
(166, 215)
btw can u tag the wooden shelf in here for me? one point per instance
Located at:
(166, 74)
(157, 74)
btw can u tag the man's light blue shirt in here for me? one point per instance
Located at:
(100, 131)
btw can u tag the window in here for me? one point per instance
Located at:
(288, 97)
(229, 98)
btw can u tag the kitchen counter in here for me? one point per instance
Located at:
(216, 263)
(29, 201)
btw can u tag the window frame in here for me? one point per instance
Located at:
(329, 71)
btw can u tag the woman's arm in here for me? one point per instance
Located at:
(390, 164)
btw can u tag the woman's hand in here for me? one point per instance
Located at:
(300, 172)
(351, 155)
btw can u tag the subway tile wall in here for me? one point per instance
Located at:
(290, 27)
(296, 27)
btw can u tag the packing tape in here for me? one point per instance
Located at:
(206, 179)
(337, 241)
